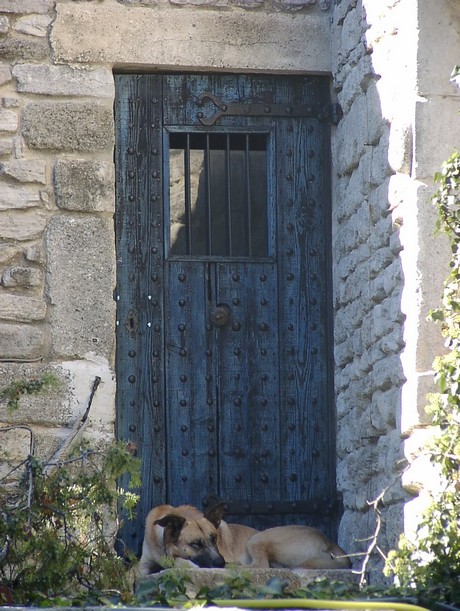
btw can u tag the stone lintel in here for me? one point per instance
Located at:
(191, 38)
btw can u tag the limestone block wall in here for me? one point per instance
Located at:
(392, 81)
(57, 272)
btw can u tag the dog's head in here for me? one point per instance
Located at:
(192, 540)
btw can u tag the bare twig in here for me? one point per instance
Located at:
(373, 538)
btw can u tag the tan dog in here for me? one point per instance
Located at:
(182, 533)
(193, 538)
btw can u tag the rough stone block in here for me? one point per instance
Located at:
(249, 4)
(25, 170)
(22, 225)
(22, 277)
(4, 24)
(64, 403)
(17, 49)
(80, 255)
(9, 120)
(380, 168)
(400, 146)
(352, 137)
(33, 25)
(15, 444)
(6, 147)
(380, 259)
(236, 40)
(16, 197)
(84, 185)
(390, 455)
(352, 523)
(386, 403)
(10, 102)
(50, 407)
(392, 277)
(63, 81)
(352, 31)
(213, 3)
(388, 373)
(21, 309)
(72, 126)
(439, 33)
(435, 139)
(343, 353)
(35, 254)
(293, 5)
(357, 82)
(21, 341)
(26, 6)
(8, 252)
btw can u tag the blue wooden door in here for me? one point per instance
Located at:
(224, 312)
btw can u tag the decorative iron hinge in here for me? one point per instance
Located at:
(332, 113)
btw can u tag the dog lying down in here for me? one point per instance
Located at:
(191, 538)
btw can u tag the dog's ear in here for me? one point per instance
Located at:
(173, 525)
(215, 514)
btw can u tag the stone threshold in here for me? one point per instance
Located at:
(294, 578)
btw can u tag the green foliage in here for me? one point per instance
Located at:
(431, 563)
(168, 589)
(14, 391)
(237, 584)
(56, 531)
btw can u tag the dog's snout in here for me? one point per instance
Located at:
(219, 562)
(209, 560)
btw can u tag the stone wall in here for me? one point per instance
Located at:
(390, 63)
(388, 267)
(57, 271)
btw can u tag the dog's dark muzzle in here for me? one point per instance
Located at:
(208, 560)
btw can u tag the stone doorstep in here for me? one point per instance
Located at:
(295, 578)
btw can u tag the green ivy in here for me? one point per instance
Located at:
(431, 563)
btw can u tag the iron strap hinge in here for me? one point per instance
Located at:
(332, 113)
(329, 507)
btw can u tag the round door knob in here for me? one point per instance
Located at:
(220, 315)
